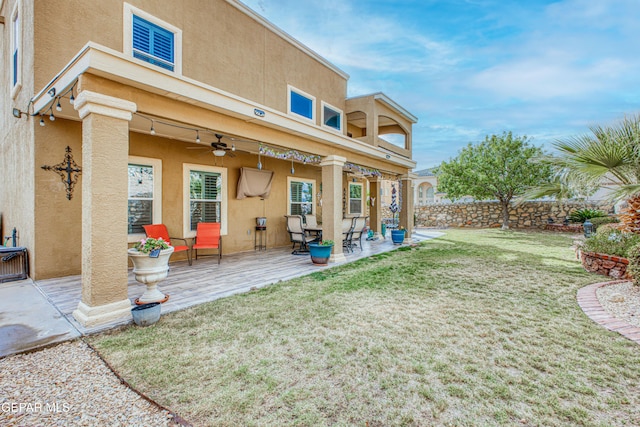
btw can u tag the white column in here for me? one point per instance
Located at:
(332, 204)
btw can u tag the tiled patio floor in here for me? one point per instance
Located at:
(206, 281)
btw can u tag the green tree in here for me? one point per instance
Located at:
(501, 167)
(608, 157)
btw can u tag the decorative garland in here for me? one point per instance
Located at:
(289, 155)
(363, 170)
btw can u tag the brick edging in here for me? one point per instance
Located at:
(589, 303)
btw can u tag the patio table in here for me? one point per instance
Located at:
(316, 231)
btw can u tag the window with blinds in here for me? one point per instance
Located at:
(205, 189)
(301, 198)
(153, 44)
(355, 198)
(141, 182)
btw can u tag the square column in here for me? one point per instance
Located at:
(406, 214)
(375, 209)
(332, 204)
(105, 156)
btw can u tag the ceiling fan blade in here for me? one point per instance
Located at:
(198, 148)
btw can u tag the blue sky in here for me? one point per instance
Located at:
(471, 68)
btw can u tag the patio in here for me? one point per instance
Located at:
(206, 281)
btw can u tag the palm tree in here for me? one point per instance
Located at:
(609, 157)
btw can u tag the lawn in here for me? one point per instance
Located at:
(476, 328)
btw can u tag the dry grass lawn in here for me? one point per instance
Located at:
(477, 328)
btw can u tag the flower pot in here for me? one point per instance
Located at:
(397, 236)
(320, 253)
(146, 314)
(261, 221)
(150, 271)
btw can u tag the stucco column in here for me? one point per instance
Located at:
(406, 214)
(332, 204)
(375, 210)
(105, 151)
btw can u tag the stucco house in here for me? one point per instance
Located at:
(426, 188)
(120, 102)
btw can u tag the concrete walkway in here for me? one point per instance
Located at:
(28, 320)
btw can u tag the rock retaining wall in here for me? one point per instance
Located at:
(489, 214)
(605, 265)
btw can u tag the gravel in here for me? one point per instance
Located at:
(622, 301)
(69, 385)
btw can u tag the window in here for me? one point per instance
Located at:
(145, 195)
(205, 197)
(331, 117)
(355, 198)
(16, 50)
(301, 103)
(300, 196)
(430, 195)
(152, 40)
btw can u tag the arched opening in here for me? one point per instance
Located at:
(389, 130)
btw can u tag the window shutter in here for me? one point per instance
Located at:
(141, 35)
(152, 43)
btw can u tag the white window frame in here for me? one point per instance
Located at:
(306, 95)
(16, 33)
(186, 196)
(336, 110)
(156, 164)
(359, 184)
(127, 38)
(291, 179)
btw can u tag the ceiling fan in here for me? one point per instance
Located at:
(218, 148)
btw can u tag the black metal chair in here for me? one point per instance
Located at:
(359, 228)
(347, 233)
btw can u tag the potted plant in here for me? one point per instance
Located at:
(320, 252)
(150, 258)
(397, 236)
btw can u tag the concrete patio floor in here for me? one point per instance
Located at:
(36, 314)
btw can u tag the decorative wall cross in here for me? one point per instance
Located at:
(68, 170)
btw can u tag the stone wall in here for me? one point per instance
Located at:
(533, 214)
(606, 265)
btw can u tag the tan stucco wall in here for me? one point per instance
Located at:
(16, 135)
(58, 221)
(222, 47)
(237, 55)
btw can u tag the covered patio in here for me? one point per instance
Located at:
(206, 281)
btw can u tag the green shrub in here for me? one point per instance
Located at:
(581, 215)
(611, 242)
(633, 269)
(598, 221)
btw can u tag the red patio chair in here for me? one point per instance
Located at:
(208, 237)
(160, 230)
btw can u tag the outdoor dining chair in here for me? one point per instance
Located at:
(157, 231)
(347, 233)
(297, 234)
(311, 228)
(359, 228)
(208, 237)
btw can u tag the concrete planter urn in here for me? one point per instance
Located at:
(150, 270)
(603, 264)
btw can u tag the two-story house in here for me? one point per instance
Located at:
(121, 102)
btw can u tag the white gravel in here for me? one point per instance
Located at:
(622, 301)
(69, 385)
